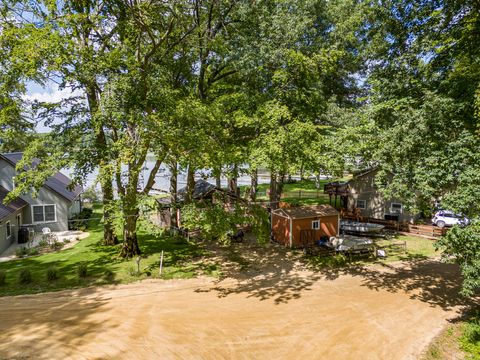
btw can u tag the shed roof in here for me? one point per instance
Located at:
(202, 189)
(12, 207)
(58, 182)
(305, 212)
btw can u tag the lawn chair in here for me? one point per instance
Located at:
(48, 236)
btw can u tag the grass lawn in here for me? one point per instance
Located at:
(179, 262)
(417, 248)
(459, 340)
(302, 192)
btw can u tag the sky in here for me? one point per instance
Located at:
(49, 93)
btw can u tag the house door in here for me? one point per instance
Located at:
(19, 221)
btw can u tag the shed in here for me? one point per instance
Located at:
(304, 225)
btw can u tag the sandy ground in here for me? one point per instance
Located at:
(379, 312)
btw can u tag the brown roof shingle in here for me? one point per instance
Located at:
(12, 207)
(303, 212)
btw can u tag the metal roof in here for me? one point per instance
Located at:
(305, 212)
(202, 189)
(12, 207)
(59, 183)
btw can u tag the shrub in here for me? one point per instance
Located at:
(80, 221)
(470, 339)
(66, 240)
(82, 270)
(3, 275)
(21, 252)
(33, 251)
(43, 243)
(52, 273)
(109, 275)
(132, 271)
(57, 245)
(25, 276)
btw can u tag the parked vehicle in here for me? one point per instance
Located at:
(444, 218)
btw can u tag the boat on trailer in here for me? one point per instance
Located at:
(357, 227)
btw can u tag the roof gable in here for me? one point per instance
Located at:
(303, 212)
(11, 207)
(58, 183)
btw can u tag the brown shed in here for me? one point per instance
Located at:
(304, 225)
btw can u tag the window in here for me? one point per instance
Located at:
(361, 204)
(44, 213)
(9, 229)
(316, 224)
(396, 208)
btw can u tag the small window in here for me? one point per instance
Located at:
(38, 214)
(316, 224)
(362, 204)
(396, 208)
(49, 212)
(9, 229)
(44, 213)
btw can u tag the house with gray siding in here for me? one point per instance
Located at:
(364, 195)
(52, 206)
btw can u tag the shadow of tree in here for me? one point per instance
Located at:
(31, 320)
(280, 275)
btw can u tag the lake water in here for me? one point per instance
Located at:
(162, 179)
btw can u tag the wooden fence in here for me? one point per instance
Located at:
(303, 194)
(426, 230)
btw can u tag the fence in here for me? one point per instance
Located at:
(426, 230)
(303, 194)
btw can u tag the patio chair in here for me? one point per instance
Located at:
(48, 236)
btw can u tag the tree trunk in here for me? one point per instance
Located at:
(276, 188)
(254, 185)
(130, 243)
(218, 177)
(130, 210)
(232, 182)
(173, 194)
(273, 190)
(190, 183)
(109, 236)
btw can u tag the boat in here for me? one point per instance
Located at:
(348, 226)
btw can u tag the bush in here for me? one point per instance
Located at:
(80, 221)
(57, 245)
(43, 243)
(52, 273)
(21, 252)
(109, 275)
(82, 270)
(33, 251)
(132, 271)
(3, 276)
(67, 240)
(470, 340)
(25, 276)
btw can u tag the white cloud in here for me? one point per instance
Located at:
(51, 94)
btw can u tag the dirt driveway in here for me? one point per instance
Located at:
(382, 312)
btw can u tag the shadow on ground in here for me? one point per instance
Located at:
(67, 321)
(281, 275)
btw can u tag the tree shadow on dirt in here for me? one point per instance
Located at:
(429, 281)
(262, 273)
(28, 322)
(277, 274)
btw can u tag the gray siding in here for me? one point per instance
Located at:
(47, 197)
(4, 241)
(7, 172)
(75, 207)
(363, 188)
